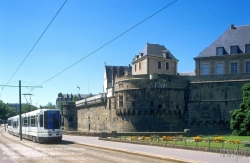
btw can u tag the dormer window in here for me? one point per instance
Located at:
(247, 48)
(234, 49)
(166, 54)
(219, 51)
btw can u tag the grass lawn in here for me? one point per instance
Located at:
(213, 144)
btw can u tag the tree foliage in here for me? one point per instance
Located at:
(75, 98)
(6, 112)
(27, 108)
(240, 118)
(48, 106)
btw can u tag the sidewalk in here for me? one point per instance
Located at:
(159, 152)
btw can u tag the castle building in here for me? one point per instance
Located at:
(110, 74)
(152, 96)
(154, 59)
(67, 98)
(229, 54)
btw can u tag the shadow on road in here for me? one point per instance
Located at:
(63, 142)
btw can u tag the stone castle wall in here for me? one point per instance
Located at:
(210, 98)
(166, 103)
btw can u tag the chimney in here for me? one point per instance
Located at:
(232, 27)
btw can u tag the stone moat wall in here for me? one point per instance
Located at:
(165, 103)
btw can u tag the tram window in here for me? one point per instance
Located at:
(22, 122)
(9, 122)
(29, 121)
(41, 120)
(15, 124)
(33, 121)
(51, 120)
(60, 120)
(25, 121)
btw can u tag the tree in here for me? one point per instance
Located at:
(27, 108)
(75, 98)
(48, 106)
(240, 118)
(6, 111)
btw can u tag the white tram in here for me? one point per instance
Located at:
(39, 126)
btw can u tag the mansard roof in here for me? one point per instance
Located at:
(239, 35)
(155, 50)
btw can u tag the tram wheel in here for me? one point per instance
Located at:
(34, 139)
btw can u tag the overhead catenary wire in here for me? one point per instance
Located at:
(34, 46)
(106, 43)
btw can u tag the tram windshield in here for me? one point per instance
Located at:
(52, 119)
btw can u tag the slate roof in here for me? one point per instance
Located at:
(238, 35)
(108, 70)
(156, 50)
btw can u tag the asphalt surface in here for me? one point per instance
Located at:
(25, 151)
(4, 158)
(161, 152)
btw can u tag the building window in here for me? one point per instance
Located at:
(159, 64)
(167, 65)
(219, 68)
(120, 101)
(152, 103)
(133, 103)
(139, 65)
(205, 69)
(234, 68)
(248, 67)
(234, 49)
(247, 48)
(220, 51)
(135, 67)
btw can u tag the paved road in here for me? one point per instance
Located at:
(65, 152)
(192, 156)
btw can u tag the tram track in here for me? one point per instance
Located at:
(30, 158)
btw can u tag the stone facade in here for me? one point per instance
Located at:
(164, 103)
(154, 58)
(229, 54)
(69, 113)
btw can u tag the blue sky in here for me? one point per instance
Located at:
(82, 26)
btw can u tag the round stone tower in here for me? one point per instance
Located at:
(69, 113)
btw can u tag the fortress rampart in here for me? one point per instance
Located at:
(162, 103)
